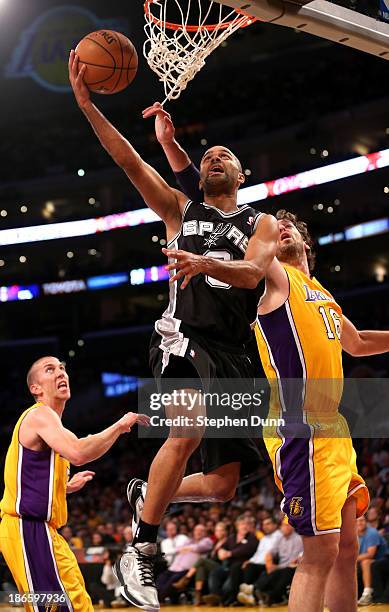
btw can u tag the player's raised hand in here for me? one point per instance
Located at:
(164, 127)
(76, 78)
(129, 419)
(79, 481)
(187, 264)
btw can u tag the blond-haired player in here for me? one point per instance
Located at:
(37, 481)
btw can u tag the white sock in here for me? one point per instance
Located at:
(368, 591)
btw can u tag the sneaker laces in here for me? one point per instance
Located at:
(146, 568)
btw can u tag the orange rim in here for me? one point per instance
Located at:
(248, 20)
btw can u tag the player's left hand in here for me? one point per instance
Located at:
(187, 264)
(76, 78)
(79, 481)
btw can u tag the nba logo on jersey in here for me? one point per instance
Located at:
(384, 9)
(295, 507)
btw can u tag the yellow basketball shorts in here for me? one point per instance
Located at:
(41, 561)
(316, 474)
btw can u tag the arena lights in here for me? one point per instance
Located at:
(354, 232)
(18, 292)
(148, 275)
(142, 276)
(139, 276)
(106, 281)
(72, 286)
(247, 195)
(317, 176)
(118, 384)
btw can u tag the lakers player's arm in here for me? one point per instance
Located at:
(186, 173)
(167, 202)
(363, 343)
(246, 273)
(48, 426)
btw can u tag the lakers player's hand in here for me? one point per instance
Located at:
(129, 419)
(187, 264)
(164, 127)
(79, 481)
(76, 77)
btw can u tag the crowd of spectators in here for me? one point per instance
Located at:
(238, 553)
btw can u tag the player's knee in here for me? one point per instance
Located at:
(349, 550)
(323, 555)
(183, 447)
(224, 491)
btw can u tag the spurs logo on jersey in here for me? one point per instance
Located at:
(230, 231)
(208, 306)
(220, 230)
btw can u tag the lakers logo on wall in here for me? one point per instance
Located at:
(42, 51)
(295, 507)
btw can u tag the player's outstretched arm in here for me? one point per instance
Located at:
(247, 273)
(165, 133)
(158, 195)
(363, 343)
(47, 424)
(187, 175)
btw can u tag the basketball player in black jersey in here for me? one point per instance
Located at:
(220, 253)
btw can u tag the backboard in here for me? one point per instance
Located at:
(330, 20)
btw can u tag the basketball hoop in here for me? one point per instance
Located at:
(175, 49)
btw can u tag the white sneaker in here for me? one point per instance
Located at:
(135, 572)
(366, 599)
(247, 600)
(246, 588)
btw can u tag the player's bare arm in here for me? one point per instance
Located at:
(46, 424)
(165, 133)
(167, 202)
(246, 273)
(363, 343)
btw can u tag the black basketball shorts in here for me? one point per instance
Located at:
(207, 365)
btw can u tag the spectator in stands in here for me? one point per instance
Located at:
(172, 541)
(203, 567)
(186, 556)
(104, 592)
(252, 569)
(108, 535)
(380, 580)
(372, 546)
(271, 588)
(119, 533)
(238, 548)
(73, 541)
(373, 518)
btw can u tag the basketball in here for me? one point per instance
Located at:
(111, 61)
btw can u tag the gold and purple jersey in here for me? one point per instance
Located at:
(35, 482)
(311, 450)
(300, 340)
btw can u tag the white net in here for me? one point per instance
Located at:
(177, 51)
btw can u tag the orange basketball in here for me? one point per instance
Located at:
(111, 61)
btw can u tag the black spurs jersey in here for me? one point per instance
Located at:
(208, 307)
